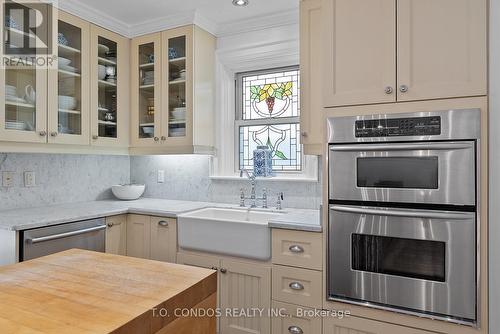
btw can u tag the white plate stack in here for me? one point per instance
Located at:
(149, 78)
(178, 114)
(11, 93)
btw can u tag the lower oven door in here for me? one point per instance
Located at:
(416, 261)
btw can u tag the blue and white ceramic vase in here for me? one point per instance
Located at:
(262, 162)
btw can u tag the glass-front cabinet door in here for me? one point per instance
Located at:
(23, 85)
(109, 88)
(69, 84)
(177, 85)
(146, 83)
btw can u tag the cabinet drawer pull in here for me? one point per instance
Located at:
(110, 224)
(388, 90)
(403, 88)
(53, 134)
(296, 286)
(296, 249)
(163, 223)
(223, 270)
(42, 133)
(295, 330)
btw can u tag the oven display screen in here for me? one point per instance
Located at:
(421, 259)
(398, 172)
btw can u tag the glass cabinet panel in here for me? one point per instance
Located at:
(107, 100)
(146, 90)
(177, 77)
(20, 99)
(69, 95)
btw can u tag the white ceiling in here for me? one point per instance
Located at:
(214, 13)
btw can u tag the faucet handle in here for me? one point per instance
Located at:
(280, 198)
(242, 197)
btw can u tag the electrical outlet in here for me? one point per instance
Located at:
(8, 179)
(161, 176)
(29, 179)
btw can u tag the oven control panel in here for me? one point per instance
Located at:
(416, 126)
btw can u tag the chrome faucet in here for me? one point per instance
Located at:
(253, 198)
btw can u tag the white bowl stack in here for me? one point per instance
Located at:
(67, 102)
(128, 192)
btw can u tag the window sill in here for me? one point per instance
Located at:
(280, 178)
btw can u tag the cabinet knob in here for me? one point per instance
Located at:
(156, 139)
(42, 133)
(110, 224)
(304, 134)
(403, 88)
(95, 137)
(296, 286)
(53, 134)
(296, 249)
(223, 270)
(214, 268)
(295, 330)
(388, 90)
(163, 223)
(163, 138)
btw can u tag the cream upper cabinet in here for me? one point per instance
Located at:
(116, 235)
(311, 104)
(173, 91)
(442, 49)
(163, 239)
(69, 84)
(109, 88)
(360, 58)
(138, 236)
(145, 90)
(23, 106)
(245, 285)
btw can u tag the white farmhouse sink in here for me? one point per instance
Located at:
(235, 232)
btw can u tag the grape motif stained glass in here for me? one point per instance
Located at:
(269, 117)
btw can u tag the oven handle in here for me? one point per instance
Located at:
(66, 234)
(403, 213)
(402, 147)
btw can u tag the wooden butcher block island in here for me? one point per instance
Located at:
(79, 291)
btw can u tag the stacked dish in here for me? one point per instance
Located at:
(177, 132)
(178, 114)
(149, 78)
(67, 102)
(12, 125)
(11, 92)
(64, 64)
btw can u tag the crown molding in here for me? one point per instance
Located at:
(80, 9)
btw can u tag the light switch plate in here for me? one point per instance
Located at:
(161, 176)
(29, 179)
(8, 179)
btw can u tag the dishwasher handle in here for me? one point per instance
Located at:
(66, 234)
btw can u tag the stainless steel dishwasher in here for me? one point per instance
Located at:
(88, 235)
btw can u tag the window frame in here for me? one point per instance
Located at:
(239, 121)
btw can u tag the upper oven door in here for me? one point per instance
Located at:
(423, 172)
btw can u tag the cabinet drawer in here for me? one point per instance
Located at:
(353, 325)
(298, 249)
(294, 323)
(297, 286)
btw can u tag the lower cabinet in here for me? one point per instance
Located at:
(354, 325)
(116, 235)
(152, 238)
(294, 319)
(243, 285)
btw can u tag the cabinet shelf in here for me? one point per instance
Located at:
(104, 83)
(67, 51)
(148, 65)
(19, 32)
(67, 74)
(20, 104)
(146, 124)
(177, 82)
(147, 87)
(106, 61)
(71, 112)
(107, 123)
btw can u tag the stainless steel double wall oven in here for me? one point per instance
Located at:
(404, 212)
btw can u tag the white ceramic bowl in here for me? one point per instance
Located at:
(179, 113)
(102, 72)
(67, 102)
(128, 192)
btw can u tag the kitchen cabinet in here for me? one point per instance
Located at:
(354, 325)
(442, 49)
(297, 249)
(360, 58)
(311, 93)
(243, 285)
(163, 239)
(23, 110)
(69, 84)
(109, 88)
(173, 92)
(138, 236)
(297, 286)
(116, 235)
(422, 50)
(295, 320)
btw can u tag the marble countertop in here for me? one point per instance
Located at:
(27, 218)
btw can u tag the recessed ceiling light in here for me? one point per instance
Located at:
(240, 3)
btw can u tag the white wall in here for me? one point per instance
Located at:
(494, 172)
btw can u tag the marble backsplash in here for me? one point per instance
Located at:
(188, 178)
(61, 178)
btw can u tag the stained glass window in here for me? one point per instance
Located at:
(268, 115)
